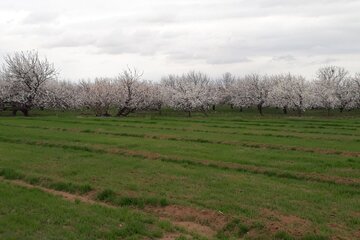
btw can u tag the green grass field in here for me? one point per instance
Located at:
(226, 176)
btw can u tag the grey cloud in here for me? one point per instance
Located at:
(325, 61)
(211, 33)
(162, 18)
(72, 41)
(143, 42)
(227, 59)
(41, 18)
(284, 58)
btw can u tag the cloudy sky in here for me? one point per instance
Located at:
(89, 38)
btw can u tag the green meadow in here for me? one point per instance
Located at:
(228, 175)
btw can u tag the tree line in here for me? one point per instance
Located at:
(28, 81)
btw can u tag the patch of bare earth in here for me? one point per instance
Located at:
(170, 236)
(343, 233)
(298, 227)
(293, 225)
(203, 222)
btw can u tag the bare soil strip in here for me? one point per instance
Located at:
(205, 222)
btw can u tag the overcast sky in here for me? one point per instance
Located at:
(89, 38)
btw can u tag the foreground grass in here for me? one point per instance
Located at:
(274, 178)
(33, 214)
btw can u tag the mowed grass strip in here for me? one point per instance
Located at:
(106, 195)
(200, 174)
(204, 163)
(280, 133)
(214, 139)
(294, 161)
(219, 191)
(346, 127)
(193, 133)
(210, 125)
(33, 214)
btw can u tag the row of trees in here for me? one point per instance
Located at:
(27, 81)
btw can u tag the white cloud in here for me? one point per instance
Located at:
(86, 38)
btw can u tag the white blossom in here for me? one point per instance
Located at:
(25, 76)
(189, 92)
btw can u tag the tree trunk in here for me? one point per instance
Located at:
(241, 109)
(214, 107)
(126, 112)
(205, 113)
(25, 112)
(259, 107)
(122, 112)
(299, 111)
(285, 110)
(189, 113)
(232, 106)
(14, 112)
(159, 109)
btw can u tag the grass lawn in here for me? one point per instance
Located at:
(229, 175)
(33, 214)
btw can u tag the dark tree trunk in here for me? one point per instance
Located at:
(342, 109)
(189, 113)
(25, 112)
(299, 111)
(159, 109)
(123, 112)
(14, 112)
(241, 109)
(214, 107)
(118, 114)
(205, 113)
(232, 106)
(260, 108)
(285, 110)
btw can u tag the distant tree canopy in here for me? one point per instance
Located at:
(28, 81)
